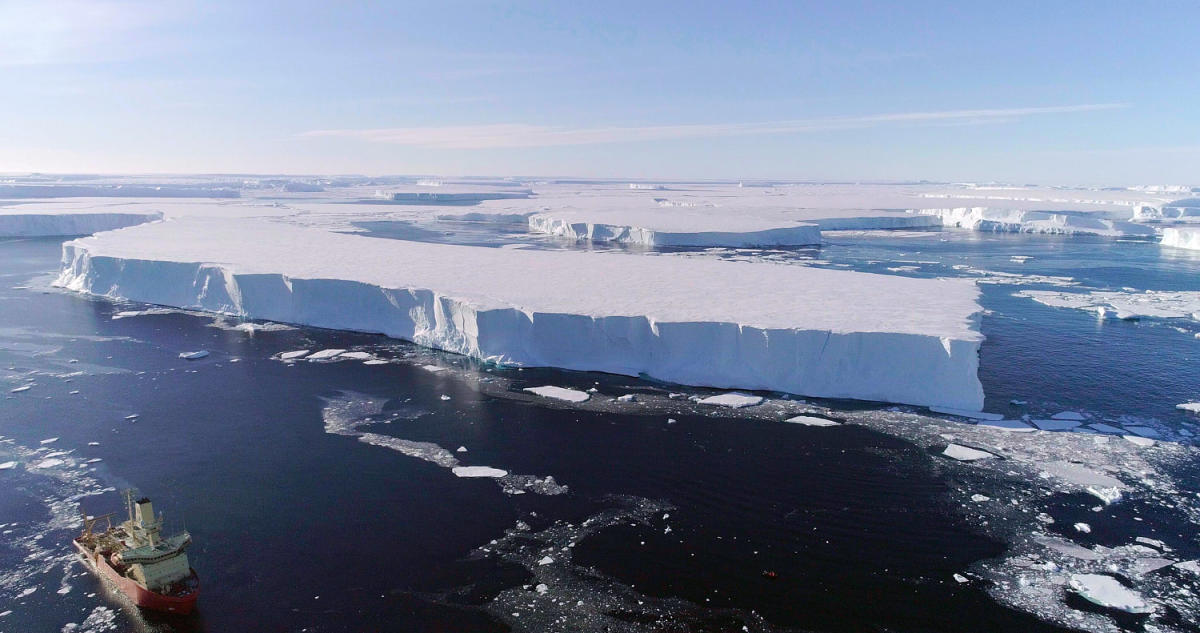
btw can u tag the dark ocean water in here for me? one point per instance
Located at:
(299, 529)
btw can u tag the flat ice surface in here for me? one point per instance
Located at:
(1194, 407)
(1107, 591)
(559, 393)
(733, 400)
(965, 453)
(477, 471)
(974, 415)
(325, 354)
(751, 325)
(1006, 220)
(809, 420)
(1159, 304)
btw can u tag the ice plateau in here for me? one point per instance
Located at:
(749, 325)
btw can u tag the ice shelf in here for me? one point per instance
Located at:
(18, 222)
(749, 325)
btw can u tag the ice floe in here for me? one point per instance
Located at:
(559, 393)
(808, 420)
(197, 355)
(1157, 304)
(965, 453)
(732, 400)
(1107, 591)
(325, 354)
(478, 471)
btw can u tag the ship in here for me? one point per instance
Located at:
(152, 570)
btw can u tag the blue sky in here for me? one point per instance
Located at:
(1048, 92)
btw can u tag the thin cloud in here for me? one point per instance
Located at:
(510, 135)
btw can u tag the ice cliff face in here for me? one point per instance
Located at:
(1019, 221)
(752, 326)
(798, 235)
(62, 224)
(1183, 237)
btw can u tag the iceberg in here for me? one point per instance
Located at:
(1188, 238)
(15, 222)
(704, 322)
(1107, 591)
(675, 229)
(1002, 220)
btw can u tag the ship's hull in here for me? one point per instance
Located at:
(141, 596)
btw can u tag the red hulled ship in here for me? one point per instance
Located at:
(151, 569)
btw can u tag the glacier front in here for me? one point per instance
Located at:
(748, 325)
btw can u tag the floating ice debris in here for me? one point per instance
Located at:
(375, 361)
(960, 578)
(1143, 431)
(76, 392)
(733, 400)
(1021, 259)
(963, 413)
(1019, 403)
(356, 355)
(48, 463)
(8, 465)
(94, 460)
(1189, 565)
(558, 393)
(1055, 425)
(1107, 591)
(460, 449)
(49, 440)
(671, 420)
(809, 420)
(20, 389)
(477, 471)
(965, 454)
(325, 354)
(1101, 427)
(5, 613)
(433, 368)
(1123, 305)
(93, 443)
(28, 592)
(125, 314)
(541, 588)
(1008, 425)
(1068, 548)
(629, 397)
(132, 416)
(445, 397)
(1152, 542)
(1194, 407)
(1108, 495)
(292, 355)
(1139, 440)
(546, 560)
(194, 355)
(978, 498)
(1068, 415)
(1083, 527)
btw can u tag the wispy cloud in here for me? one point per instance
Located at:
(509, 135)
(35, 33)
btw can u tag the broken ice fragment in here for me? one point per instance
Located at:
(965, 454)
(1107, 591)
(733, 400)
(478, 471)
(558, 393)
(809, 420)
(196, 355)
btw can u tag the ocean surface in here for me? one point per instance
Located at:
(321, 496)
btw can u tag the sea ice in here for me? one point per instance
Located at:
(1068, 415)
(193, 355)
(293, 354)
(356, 355)
(965, 454)
(1179, 237)
(20, 389)
(8, 465)
(1194, 407)
(629, 397)
(49, 463)
(49, 440)
(325, 354)
(559, 393)
(1158, 304)
(1083, 527)
(733, 400)
(1106, 428)
(478, 471)
(1055, 425)
(1139, 440)
(809, 420)
(1107, 591)
(1016, 426)
(964, 413)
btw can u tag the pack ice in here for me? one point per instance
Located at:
(749, 325)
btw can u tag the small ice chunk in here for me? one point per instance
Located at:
(978, 498)
(325, 354)
(94, 460)
(49, 440)
(558, 393)
(1106, 428)
(1068, 548)
(960, 578)
(1008, 425)
(8, 465)
(629, 397)
(1068, 415)
(20, 389)
(1107, 591)
(1140, 441)
(375, 361)
(809, 420)
(1108, 495)
(1194, 407)
(965, 454)
(1189, 565)
(460, 449)
(1083, 527)
(131, 416)
(963, 413)
(28, 592)
(541, 588)
(1019, 403)
(733, 400)
(93, 443)
(445, 397)
(1143, 566)
(48, 463)
(546, 560)
(1143, 431)
(294, 354)
(1055, 425)
(478, 471)
(356, 355)
(196, 355)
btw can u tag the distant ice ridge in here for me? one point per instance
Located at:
(1001, 220)
(756, 326)
(1188, 238)
(793, 235)
(14, 223)
(8, 191)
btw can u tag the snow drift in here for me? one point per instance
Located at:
(723, 324)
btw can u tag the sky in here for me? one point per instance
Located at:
(1039, 92)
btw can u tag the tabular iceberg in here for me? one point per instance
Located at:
(1003, 220)
(795, 329)
(46, 224)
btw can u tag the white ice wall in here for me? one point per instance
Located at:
(63, 224)
(1001, 220)
(1182, 237)
(798, 235)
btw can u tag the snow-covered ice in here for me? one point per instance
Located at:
(1182, 237)
(1124, 304)
(478, 471)
(196, 355)
(300, 353)
(1107, 591)
(749, 325)
(733, 400)
(966, 453)
(559, 393)
(1194, 407)
(966, 413)
(809, 420)
(1006, 220)
(325, 354)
